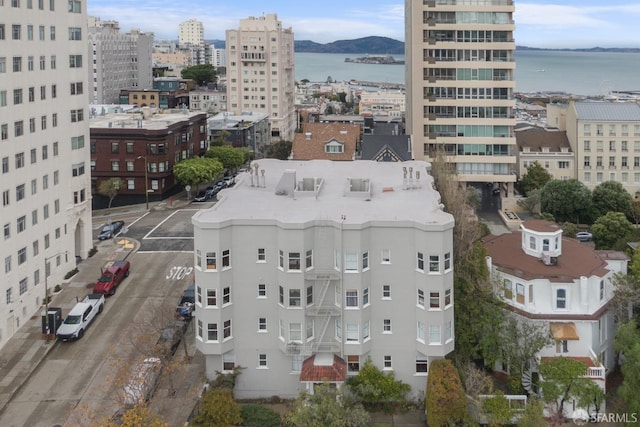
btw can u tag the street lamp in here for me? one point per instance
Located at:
(46, 292)
(146, 180)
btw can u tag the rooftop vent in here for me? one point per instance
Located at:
(307, 136)
(548, 259)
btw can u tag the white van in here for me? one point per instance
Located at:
(142, 383)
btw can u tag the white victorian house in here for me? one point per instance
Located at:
(564, 283)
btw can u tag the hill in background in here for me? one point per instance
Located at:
(373, 45)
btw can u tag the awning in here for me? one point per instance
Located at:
(323, 367)
(564, 331)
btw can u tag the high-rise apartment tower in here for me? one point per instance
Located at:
(260, 72)
(191, 32)
(44, 149)
(460, 83)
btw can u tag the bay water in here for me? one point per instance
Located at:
(578, 73)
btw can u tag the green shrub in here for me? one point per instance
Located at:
(93, 251)
(446, 402)
(57, 288)
(71, 273)
(254, 414)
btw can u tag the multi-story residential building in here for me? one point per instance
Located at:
(260, 72)
(124, 144)
(212, 101)
(119, 60)
(460, 82)
(308, 266)
(328, 141)
(190, 32)
(549, 147)
(45, 182)
(605, 137)
(382, 103)
(563, 285)
(245, 130)
(218, 57)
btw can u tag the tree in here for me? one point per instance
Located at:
(217, 407)
(230, 157)
(611, 196)
(201, 74)
(532, 202)
(376, 388)
(497, 410)
(134, 417)
(326, 407)
(476, 381)
(220, 138)
(567, 200)
(626, 294)
(446, 403)
(563, 379)
(110, 188)
(280, 150)
(635, 211)
(196, 170)
(520, 340)
(533, 414)
(608, 229)
(627, 342)
(535, 178)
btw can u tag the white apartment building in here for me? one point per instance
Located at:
(190, 32)
(218, 57)
(460, 82)
(383, 103)
(44, 148)
(304, 269)
(260, 72)
(564, 285)
(605, 137)
(118, 61)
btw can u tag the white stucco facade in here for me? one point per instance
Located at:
(323, 258)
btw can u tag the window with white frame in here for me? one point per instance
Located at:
(226, 258)
(262, 324)
(226, 331)
(562, 346)
(210, 258)
(365, 297)
(520, 293)
(386, 256)
(338, 329)
(353, 333)
(294, 261)
(366, 330)
(228, 361)
(448, 331)
(199, 295)
(447, 261)
(387, 362)
(295, 332)
(262, 360)
(281, 259)
(420, 298)
(296, 362)
(351, 262)
(262, 290)
(226, 295)
(310, 295)
(212, 332)
(561, 299)
(422, 365)
(351, 296)
(420, 333)
(309, 259)
(262, 255)
(601, 290)
(199, 329)
(434, 263)
(508, 290)
(365, 261)
(447, 297)
(212, 299)
(420, 261)
(295, 298)
(434, 334)
(386, 291)
(281, 295)
(386, 326)
(434, 300)
(353, 363)
(309, 323)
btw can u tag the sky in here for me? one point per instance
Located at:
(544, 23)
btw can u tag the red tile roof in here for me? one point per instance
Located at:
(576, 260)
(311, 147)
(541, 225)
(336, 372)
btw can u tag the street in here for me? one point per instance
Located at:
(79, 381)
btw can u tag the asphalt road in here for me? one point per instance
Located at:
(81, 380)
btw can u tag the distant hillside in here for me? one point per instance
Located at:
(591, 49)
(374, 45)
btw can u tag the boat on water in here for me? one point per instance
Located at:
(375, 59)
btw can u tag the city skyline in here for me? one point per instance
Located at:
(544, 24)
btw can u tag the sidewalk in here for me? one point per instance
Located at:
(24, 352)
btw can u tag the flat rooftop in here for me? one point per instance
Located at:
(136, 121)
(301, 191)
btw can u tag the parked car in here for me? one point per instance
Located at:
(201, 197)
(110, 230)
(142, 383)
(184, 309)
(211, 191)
(229, 181)
(584, 236)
